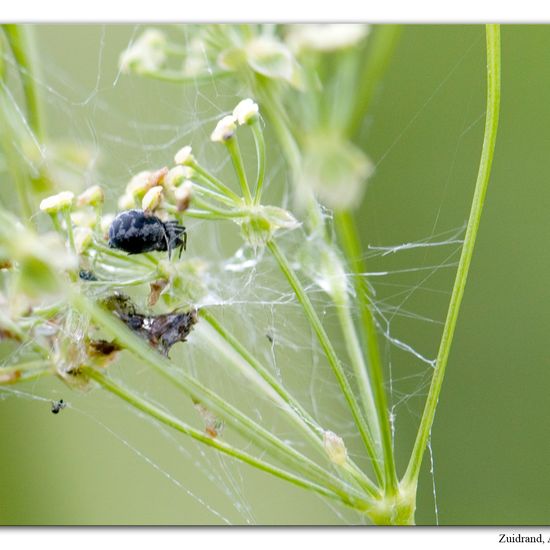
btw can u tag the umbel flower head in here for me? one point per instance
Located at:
(146, 54)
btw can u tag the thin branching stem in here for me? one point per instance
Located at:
(192, 387)
(295, 411)
(483, 176)
(209, 179)
(330, 353)
(221, 446)
(232, 145)
(260, 153)
(349, 238)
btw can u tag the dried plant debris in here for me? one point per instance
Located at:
(213, 426)
(161, 331)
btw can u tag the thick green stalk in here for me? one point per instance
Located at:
(483, 176)
(330, 353)
(349, 238)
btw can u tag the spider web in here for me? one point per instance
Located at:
(125, 124)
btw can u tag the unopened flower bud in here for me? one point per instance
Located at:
(58, 202)
(225, 129)
(146, 54)
(246, 111)
(184, 156)
(126, 201)
(82, 238)
(177, 175)
(183, 196)
(105, 224)
(335, 448)
(83, 219)
(140, 184)
(93, 196)
(157, 177)
(152, 198)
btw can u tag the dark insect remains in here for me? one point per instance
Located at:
(58, 406)
(161, 331)
(135, 232)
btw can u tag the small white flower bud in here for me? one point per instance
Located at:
(105, 223)
(184, 156)
(177, 175)
(225, 129)
(82, 238)
(140, 184)
(183, 196)
(83, 219)
(246, 111)
(326, 37)
(152, 198)
(126, 202)
(335, 448)
(146, 54)
(58, 202)
(93, 196)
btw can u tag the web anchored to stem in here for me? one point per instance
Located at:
(74, 326)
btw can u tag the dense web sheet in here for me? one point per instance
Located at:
(105, 114)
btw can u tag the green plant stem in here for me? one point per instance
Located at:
(332, 358)
(213, 181)
(133, 259)
(249, 429)
(15, 163)
(200, 190)
(381, 48)
(20, 40)
(483, 176)
(177, 77)
(295, 411)
(349, 239)
(221, 446)
(66, 213)
(260, 153)
(358, 363)
(235, 152)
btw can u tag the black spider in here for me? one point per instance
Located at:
(135, 232)
(58, 406)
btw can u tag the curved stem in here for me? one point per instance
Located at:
(235, 152)
(247, 427)
(209, 179)
(483, 176)
(260, 153)
(305, 422)
(332, 358)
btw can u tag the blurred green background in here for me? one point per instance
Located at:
(490, 439)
